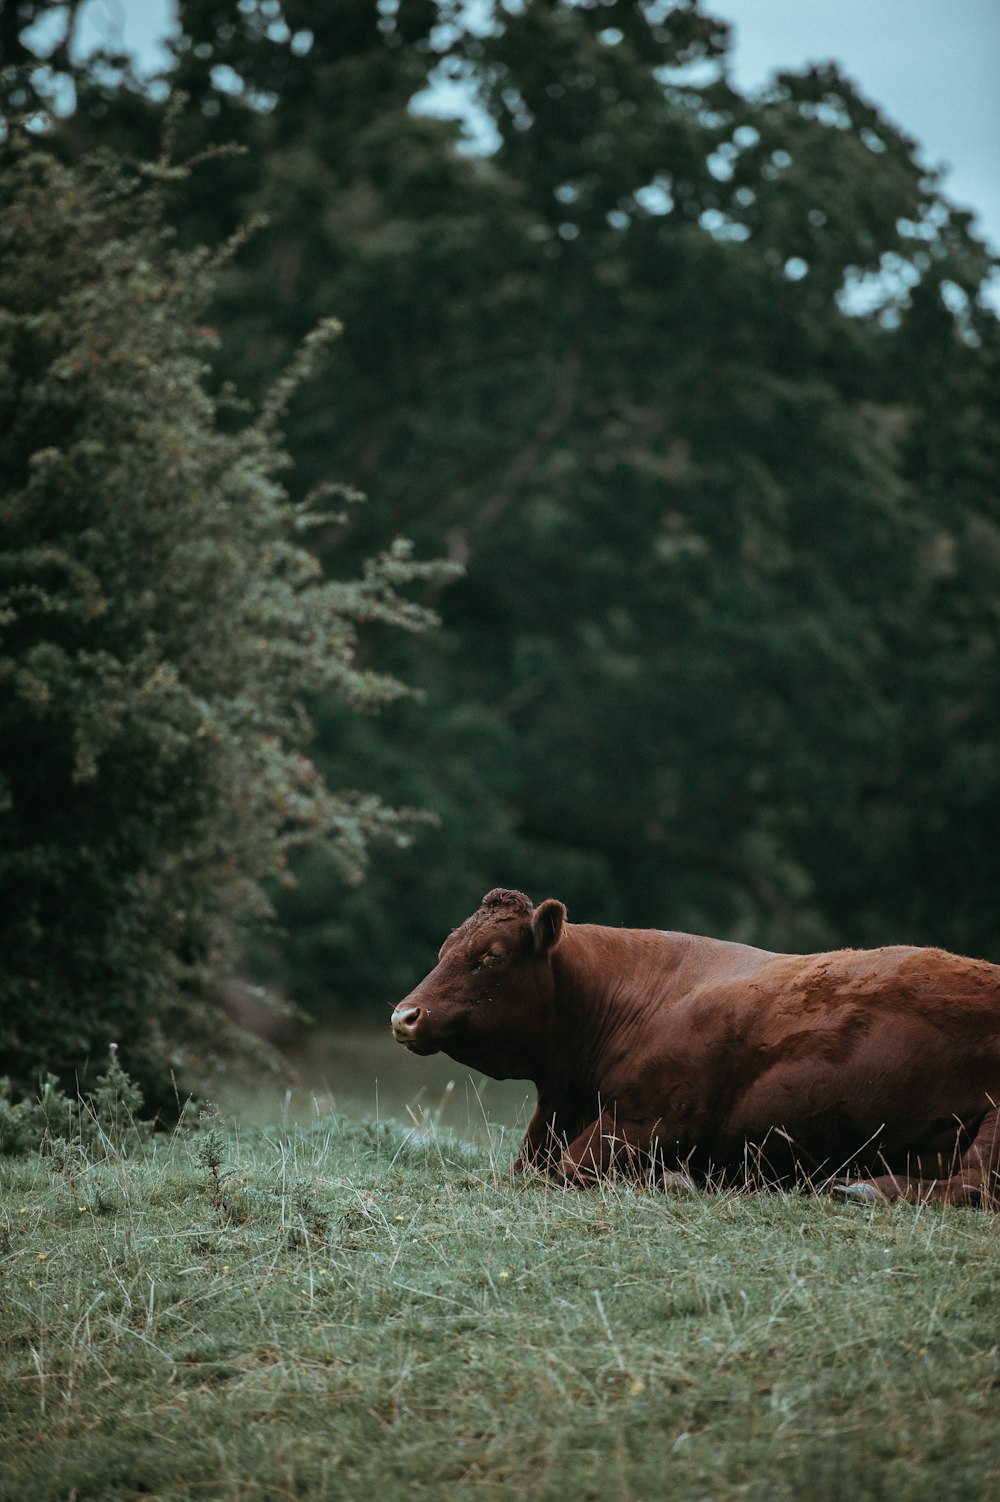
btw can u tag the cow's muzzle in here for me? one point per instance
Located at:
(405, 1022)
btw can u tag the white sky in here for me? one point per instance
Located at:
(932, 65)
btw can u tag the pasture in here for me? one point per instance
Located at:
(349, 1309)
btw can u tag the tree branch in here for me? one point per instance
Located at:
(527, 458)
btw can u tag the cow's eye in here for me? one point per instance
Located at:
(491, 957)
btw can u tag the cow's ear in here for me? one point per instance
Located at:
(547, 924)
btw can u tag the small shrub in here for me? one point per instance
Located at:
(211, 1155)
(71, 1131)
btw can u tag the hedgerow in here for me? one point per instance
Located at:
(162, 625)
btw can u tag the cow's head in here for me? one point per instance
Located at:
(487, 1001)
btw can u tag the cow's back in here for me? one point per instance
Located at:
(833, 1047)
(900, 986)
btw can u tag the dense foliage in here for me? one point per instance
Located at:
(700, 390)
(161, 622)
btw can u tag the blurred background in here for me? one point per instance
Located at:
(672, 329)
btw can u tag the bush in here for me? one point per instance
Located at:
(107, 1120)
(161, 625)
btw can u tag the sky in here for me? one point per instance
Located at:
(933, 66)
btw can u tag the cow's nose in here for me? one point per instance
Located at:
(404, 1021)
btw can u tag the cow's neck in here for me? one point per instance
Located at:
(606, 979)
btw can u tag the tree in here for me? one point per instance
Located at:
(696, 387)
(162, 625)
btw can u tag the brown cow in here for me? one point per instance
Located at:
(670, 1056)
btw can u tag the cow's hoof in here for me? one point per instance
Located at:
(570, 1175)
(527, 1170)
(860, 1190)
(672, 1182)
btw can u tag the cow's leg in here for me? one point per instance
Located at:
(540, 1149)
(981, 1164)
(975, 1180)
(607, 1144)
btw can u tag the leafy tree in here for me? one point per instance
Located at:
(697, 387)
(162, 624)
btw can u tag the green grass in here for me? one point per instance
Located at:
(353, 1311)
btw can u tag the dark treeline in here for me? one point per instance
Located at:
(698, 390)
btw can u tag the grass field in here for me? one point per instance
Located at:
(354, 1310)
